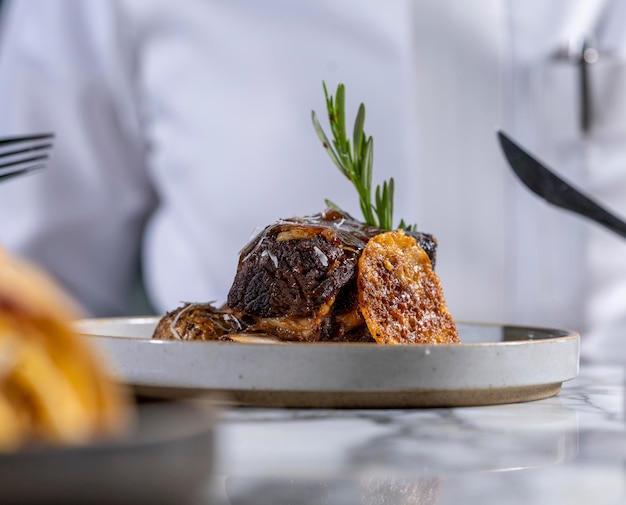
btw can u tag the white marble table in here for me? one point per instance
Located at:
(568, 449)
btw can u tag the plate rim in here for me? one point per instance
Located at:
(568, 334)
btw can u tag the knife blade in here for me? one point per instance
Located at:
(542, 181)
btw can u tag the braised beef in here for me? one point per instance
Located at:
(297, 278)
(196, 321)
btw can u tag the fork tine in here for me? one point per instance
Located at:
(25, 138)
(14, 165)
(39, 147)
(21, 171)
(22, 161)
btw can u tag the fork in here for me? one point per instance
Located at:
(24, 154)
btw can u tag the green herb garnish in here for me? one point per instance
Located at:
(355, 161)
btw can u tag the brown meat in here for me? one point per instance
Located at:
(196, 321)
(297, 278)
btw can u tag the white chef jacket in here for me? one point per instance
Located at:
(183, 127)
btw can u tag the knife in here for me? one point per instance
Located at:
(545, 183)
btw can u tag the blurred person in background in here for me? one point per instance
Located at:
(184, 126)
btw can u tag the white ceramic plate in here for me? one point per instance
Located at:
(493, 364)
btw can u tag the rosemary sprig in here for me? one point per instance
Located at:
(355, 161)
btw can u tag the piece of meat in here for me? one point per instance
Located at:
(196, 321)
(297, 278)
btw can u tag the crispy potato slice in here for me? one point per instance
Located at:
(400, 295)
(12, 426)
(53, 387)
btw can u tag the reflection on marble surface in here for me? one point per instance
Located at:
(564, 449)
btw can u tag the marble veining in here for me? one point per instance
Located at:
(570, 448)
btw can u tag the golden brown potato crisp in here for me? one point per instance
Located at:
(400, 295)
(53, 388)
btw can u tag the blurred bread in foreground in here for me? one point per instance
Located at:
(53, 388)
